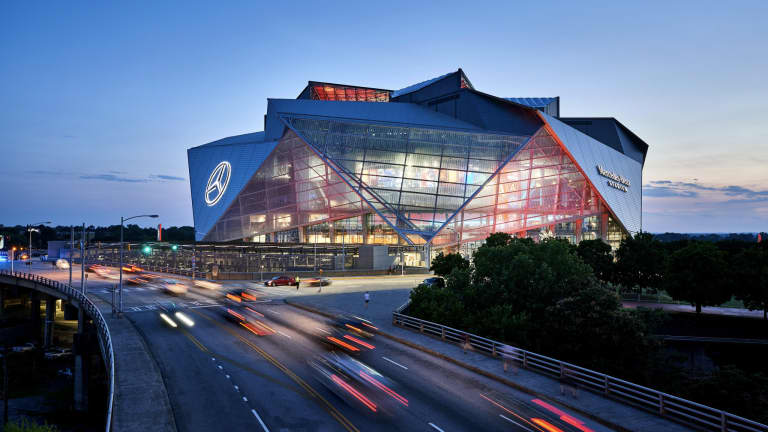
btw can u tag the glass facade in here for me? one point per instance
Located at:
(355, 183)
(539, 193)
(335, 92)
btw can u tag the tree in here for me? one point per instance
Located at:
(752, 279)
(640, 261)
(597, 254)
(698, 274)
(442, 264)
(498, 239)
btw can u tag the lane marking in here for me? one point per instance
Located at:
(395, 363)
(245, 399)
(322, 330)
(284, 334)
(433, 425)
(237, 388)
(513, 422)
(220, 367)
(274, 312)
(227, 376)
(263, 426)
(335, 413)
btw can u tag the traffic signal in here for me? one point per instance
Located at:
(174, 247)
(147, 249)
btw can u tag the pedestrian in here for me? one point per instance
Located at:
(367, 298)
(298, 281)
(508, 357)
(466, 345)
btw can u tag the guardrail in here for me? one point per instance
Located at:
(105, 341)
(663, 404)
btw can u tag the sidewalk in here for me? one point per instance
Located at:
(609, 412)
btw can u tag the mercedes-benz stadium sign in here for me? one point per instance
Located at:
(217, 183)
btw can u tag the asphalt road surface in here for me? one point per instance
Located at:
(223, 376)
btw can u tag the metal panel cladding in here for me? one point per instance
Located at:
(624, 200)
(244, 159)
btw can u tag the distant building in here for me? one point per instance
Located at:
(437, 163)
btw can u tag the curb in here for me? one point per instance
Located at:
(475, 369)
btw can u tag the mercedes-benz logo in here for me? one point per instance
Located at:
(217, 183)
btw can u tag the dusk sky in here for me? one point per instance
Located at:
(99, 102)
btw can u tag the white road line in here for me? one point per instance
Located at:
(227, 376)
(324, 331)
(138, 289)
(263, 426)
(245, 399)
(433, 425)
(213, 358)
(220, 367)
(395, 363)
(513, 422)
(284, 334)
(237, 388)
(274, 312)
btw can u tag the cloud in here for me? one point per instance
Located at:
(112, 178)
(668, 188)
(166, 177)
(664, 191)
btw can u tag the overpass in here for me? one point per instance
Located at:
(89, 321)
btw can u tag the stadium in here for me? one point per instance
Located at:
(436, 166)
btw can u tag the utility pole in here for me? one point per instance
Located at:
(82, 260)
(69, 258)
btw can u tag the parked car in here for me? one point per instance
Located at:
(280, 280)
(62, 264)
(436, 281)
(29, 346)
(57, 353)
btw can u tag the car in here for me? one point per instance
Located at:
(207, 284)
(27, 347)
(130, 268)
(317, 281)
(435, 281)
(173, 286)
(354, 324)
(171, 315)
(357, 384)
(62, 264)
(56, 353)
(281, 280)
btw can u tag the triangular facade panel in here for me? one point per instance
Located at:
(617, 177)
(539, 190)
(416, 178)
(236, 164)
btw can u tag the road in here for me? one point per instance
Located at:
(221, 376)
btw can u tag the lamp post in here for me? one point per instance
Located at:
(30, 229)
(122, 221)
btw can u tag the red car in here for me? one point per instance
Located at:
(280, 280)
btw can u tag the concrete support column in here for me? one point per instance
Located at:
(81, 363)
(34, 312)
(50, 315)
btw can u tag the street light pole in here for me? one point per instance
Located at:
(30, 229)
(120, 290)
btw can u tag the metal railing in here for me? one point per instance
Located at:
(663, 404)
(103, 336)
